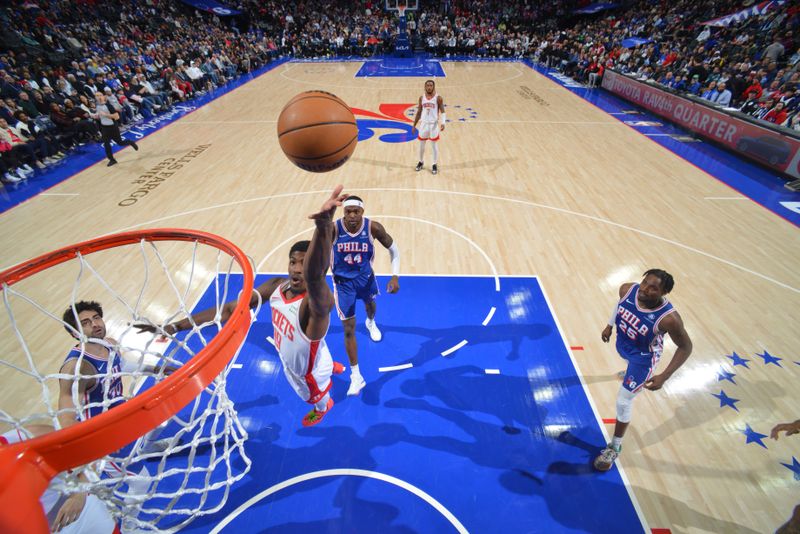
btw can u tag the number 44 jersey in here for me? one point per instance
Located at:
(352, 253)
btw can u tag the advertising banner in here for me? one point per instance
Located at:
(771, 148)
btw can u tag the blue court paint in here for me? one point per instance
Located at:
(401, 67)
(506, 452)
(83, 157)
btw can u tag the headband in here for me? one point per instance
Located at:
(353, 202)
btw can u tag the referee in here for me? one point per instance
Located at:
(109, 129)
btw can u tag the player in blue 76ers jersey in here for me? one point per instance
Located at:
(642, 316)
(353, 277)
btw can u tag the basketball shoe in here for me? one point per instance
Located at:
(313, 417)
(606, 458)
(374, 332)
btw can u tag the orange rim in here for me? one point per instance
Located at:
(26, 468)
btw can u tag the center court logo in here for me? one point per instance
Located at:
(398, 119)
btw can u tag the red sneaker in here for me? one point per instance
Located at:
(313, 417)
(338, 368)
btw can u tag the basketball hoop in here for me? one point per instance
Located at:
(401, 10)
(27, 467)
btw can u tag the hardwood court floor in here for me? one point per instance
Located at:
(544, 184)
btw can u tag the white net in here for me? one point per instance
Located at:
(175, 473)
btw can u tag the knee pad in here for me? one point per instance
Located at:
(624, 405)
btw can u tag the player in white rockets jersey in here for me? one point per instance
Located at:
(300, 308)
(76, 513)
(430, 115)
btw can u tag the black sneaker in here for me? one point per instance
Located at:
(434, 170)
(135, 146)
(418, 167)
(112, 162)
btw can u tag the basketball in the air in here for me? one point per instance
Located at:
(317, 131)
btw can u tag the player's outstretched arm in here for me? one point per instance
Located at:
(261, 294)
(673, 325)
(383, 237)
(319, 299)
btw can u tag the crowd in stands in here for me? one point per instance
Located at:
(57, 55)
(752, 66)
(146, 55)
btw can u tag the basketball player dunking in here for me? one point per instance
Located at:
(642, 316)
(430, 115)
(301, 306)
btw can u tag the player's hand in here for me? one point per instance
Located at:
(441, 128)
(327, 210)
(789, 428)
(69, 511)
(606, 335)
(655, 383)
(142, 328)
(394, 285)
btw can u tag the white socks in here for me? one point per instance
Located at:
(354, 370)
(435, 147)
(616, 443)
(422, 150)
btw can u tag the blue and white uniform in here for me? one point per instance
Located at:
(351, 264)
(639, 338)
(107, 385)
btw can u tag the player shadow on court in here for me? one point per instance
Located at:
(571, 484)
(468, 388)
(439, 339)
(343, 447)
(687, 415)
(571, 478)
(487, 445)
(490, 445)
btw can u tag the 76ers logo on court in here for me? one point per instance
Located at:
(398, 119)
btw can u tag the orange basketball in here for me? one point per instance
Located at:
(317, 131)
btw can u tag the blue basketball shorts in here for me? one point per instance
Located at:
(346, 291)
(640, 370)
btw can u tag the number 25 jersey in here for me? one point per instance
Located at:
(638, 332)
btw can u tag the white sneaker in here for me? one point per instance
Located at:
(27, 168)
(357, 383)
(10, 178)
(21, 174)
(374, 332)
